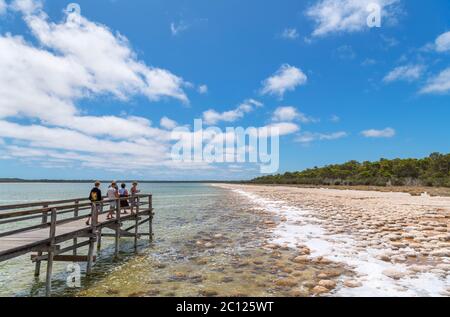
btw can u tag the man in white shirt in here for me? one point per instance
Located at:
(113, 194)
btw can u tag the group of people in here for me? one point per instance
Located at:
(113, 194)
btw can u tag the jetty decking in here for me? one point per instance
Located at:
(55, 230)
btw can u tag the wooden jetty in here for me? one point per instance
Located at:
(55, 230)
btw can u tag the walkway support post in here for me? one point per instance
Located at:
(99, 234)
(136, 228)
(75, 214)
(117, 237)
(52, 234)
(37, 269)
(150, 222)
(92, 238)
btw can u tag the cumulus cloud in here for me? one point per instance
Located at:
(212, 117)
(287, 78)
(439, 84)
(26, 6)
(442, 43)
(405, 73)
(289, 114)
(290, 34)
(168, 124)
(385, 133)
(338, 16)
(309, 137)
(203, 89)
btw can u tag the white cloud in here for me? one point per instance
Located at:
(334, 118)
(203, 89)
(177, 28)
(212, 117)
(287, 78)
(443, 42)
(439, 84)
(75, 61)
(289, 114)
(285, 128)
(308, 137)
(106, 60)
(337, 16)
(385, 133)
(3, 7)
(406, 73)
(168, 124)
(290, 34)
(26, 6)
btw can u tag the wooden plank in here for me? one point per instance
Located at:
(66, 258)
(58, 251)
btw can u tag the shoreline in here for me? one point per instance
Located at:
(395, 243)
(412, 190)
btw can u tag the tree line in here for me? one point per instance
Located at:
(431, 171)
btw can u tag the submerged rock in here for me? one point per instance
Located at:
(227, 279)
(328, 284)
(352, 284)
(318, 290)
(208, 293)
(300, 259)
(153, 292)
(396, 275)
(286, 282)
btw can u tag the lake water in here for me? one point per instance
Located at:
(208, 241)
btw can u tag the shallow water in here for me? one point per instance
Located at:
(208, 241)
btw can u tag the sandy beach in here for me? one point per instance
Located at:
(394, 244)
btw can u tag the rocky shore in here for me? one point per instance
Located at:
(384, 244)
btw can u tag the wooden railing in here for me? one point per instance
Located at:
(70, 209)
(34, 217)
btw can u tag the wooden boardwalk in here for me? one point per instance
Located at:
(54, 229)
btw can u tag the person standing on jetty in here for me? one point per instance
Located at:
(123, 192)
(95, 197)
(113, 194)
(134, 192)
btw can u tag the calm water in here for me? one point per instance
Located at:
(208, 241)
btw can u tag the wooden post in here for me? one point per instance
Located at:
(75, 214)
(118, 225)
(37, 269)
(48, 285)
(150, 215)
(99, 235)
(94, 215)
(136, 231)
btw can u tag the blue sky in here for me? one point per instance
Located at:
(339, 89)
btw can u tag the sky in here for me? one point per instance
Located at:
(93, 89)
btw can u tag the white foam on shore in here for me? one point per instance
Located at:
(302, 228)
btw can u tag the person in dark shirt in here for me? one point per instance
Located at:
(95, 197)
